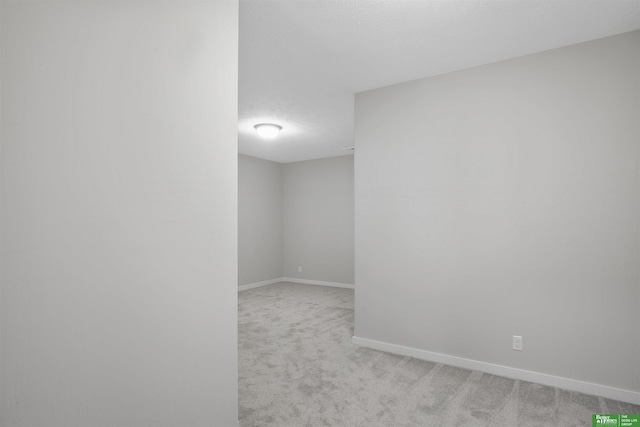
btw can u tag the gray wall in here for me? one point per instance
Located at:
(260, 231)
(318, 219)
(504, 200)
(119, 196)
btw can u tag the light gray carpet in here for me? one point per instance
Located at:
(297, 367)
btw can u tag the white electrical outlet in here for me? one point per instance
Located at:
(299, 269)
(517, 343)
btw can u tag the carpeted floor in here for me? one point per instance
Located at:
(297, 367)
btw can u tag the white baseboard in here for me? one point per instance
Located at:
(294, 280)
(259, 284)
(504, 371)
(318, 282)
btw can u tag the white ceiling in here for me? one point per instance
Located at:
(301, 61)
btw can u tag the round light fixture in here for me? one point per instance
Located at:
(268, 130)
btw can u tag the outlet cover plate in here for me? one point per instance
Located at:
(517, 343)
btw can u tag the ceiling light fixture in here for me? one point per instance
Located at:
(268, 130)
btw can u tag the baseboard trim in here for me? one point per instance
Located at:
(294, 280)
(260, 284)
(318, 282)
(503, 371)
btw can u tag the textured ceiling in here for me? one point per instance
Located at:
(301, 61)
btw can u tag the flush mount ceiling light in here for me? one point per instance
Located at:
(268, 130)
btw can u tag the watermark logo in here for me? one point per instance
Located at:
(616, 420)
(606, 420)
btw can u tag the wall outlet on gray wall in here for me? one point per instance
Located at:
(517, 343)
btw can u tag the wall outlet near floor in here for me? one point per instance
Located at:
(299, 269)
(517, 343)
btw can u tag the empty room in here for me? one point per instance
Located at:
(304, 213)
(490, 154)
